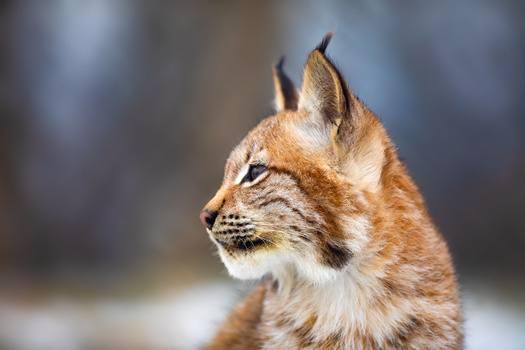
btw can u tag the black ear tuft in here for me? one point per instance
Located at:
(279, 65)
(326, 40)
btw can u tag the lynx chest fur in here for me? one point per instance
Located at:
(316, 204)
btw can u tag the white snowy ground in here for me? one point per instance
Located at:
(187, 319)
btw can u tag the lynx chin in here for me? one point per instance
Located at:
(316, 204)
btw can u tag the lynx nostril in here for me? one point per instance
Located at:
(208, 218)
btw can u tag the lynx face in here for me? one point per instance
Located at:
(277, 206)
(295, 200)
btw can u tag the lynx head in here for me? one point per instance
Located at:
(296, 200)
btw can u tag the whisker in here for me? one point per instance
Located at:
(287, 225)
(264, 241)
(276, 227)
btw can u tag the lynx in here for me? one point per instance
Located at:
(316, 204)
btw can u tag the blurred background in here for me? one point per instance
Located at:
(116, 118)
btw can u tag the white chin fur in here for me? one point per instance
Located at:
(256, 265)
(248, 267)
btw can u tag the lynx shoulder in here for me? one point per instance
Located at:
(316, 203)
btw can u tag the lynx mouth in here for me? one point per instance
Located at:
(242, 243)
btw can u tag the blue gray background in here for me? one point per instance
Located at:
(116, 118)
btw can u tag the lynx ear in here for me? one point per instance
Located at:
(286, 96)
(324, 92)
(355, 133)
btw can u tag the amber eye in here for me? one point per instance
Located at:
(254, 172)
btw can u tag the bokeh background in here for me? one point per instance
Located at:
(116, 118)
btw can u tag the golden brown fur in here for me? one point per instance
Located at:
(316, 202)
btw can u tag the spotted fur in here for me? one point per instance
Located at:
(334, 227)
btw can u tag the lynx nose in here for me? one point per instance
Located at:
(208, 218)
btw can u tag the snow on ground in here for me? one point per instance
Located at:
(187, 319)
(183, 321)
(493, 321)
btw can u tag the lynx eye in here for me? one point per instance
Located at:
(253, 172)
